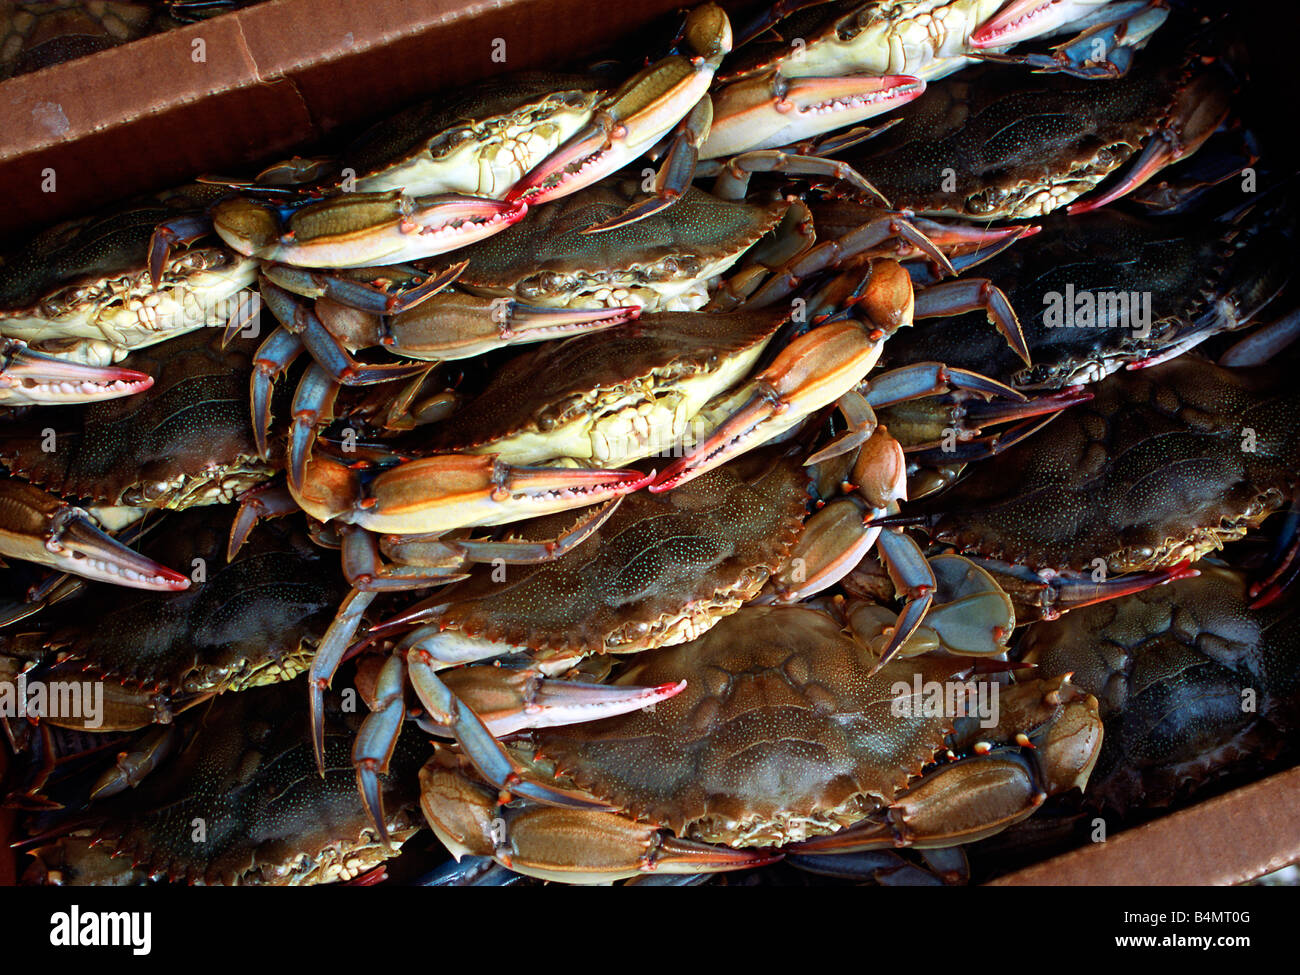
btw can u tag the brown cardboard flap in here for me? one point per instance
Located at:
(151, 114)
(1225, 840)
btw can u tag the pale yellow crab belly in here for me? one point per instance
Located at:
(487, 168)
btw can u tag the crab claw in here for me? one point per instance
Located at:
(509, 701)
(449, 491)
(1200, 110)
(771, 110)
(636, 116)
(460, 326)
(30, 378)
(597, 847)
(361, 229)
(812, 372)
(1023, 20)
(39, 527)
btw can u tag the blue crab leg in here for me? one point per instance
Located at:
(831, 253)
(429, 559)
(974, 294)
(30, 378)
(273, 358)
(360, 295)
(314, 396)
(733, 182)
(914, 579)
(483, 750)
(908, 382)
(256, 504)
(1060, 592)
(1103, 50)
(132, 766)
(377, 737)
(170, 233)
(328, 351)
(675, 172)
(329, 654)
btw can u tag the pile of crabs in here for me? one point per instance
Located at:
(858, 435)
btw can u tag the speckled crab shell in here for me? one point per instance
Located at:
(269, 817)
(1164, 464)
(185, 441)
(252, 621)
(1171, 667)
(780, 734)
(1017, 144)
(661, 570)
(662, 262)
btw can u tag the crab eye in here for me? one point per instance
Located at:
(446, 143)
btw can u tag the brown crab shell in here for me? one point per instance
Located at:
(186, 440)
(268, 816)
(1018, 144)
(662, 569)
(253, 621)
(1170, 667)
(562, 382)
(543, 255)
(781, 733)
(1162, 465)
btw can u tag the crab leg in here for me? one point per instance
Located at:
(38, 527)
(328, 351)
(771, 110)
(832, 253)
(459, 326)
(256, 504)
(273, 359)
(1051, 594)
(429, 558)
(905, 383)
(358, 294)
(636, 116)
(974, 294)
(733, 182)
(30, 378)
(170, 233)
(1103, 50)
(675, 173)
(329, 655)
(914, 579)
(362, 229)
(479, 746)
(605, 847)
(813, 371)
